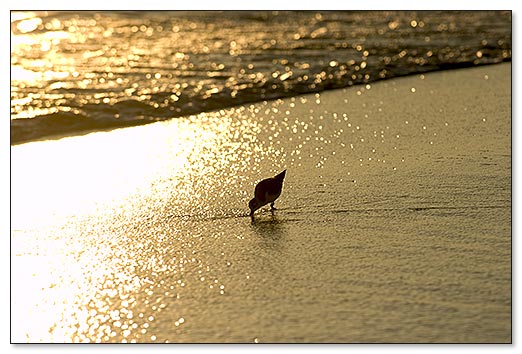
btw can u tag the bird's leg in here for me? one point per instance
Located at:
(272, 207)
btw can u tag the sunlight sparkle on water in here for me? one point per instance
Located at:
(87, 284)
(70, 281)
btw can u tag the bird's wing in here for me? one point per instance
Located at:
(262, 188)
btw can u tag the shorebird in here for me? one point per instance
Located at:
(267, 191)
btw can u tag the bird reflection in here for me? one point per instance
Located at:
(272, 219)
(270, 229)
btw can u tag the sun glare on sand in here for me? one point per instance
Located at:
(58, 185)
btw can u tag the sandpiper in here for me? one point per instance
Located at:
(267, 191)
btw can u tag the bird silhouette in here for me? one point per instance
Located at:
(267, 191)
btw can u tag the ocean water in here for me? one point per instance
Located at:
(74, 72)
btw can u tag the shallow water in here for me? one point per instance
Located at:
(80, 71)
(394, 224)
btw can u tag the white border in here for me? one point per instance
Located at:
(260, 5)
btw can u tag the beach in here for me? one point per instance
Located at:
(394, 224)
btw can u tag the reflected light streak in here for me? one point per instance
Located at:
(73, 268)
(89, 214)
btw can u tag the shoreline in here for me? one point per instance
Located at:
(394, 224)
(80, 130)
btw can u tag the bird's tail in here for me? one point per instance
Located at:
(280, 176)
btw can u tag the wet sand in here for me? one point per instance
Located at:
(394, 224)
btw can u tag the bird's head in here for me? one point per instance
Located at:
(253, 205)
